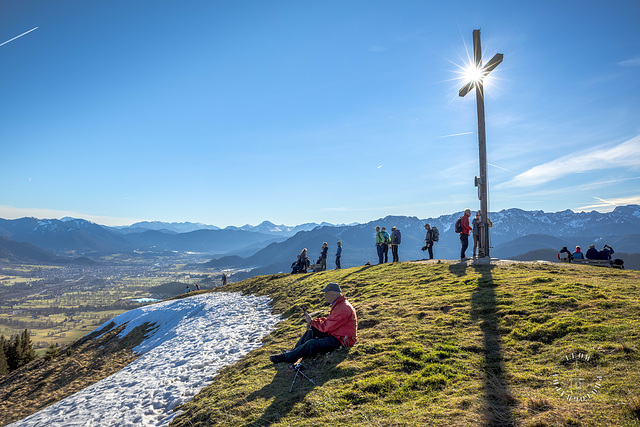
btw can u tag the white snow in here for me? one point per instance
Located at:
(193, 338)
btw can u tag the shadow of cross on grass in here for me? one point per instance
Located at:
(497, 396)
(320, 369)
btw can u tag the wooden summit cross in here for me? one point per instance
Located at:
(481, 182)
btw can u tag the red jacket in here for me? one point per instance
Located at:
(465, 225)
(342, 322)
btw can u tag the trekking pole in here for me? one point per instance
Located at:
(298, 367)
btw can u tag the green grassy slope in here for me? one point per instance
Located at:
(446, 345)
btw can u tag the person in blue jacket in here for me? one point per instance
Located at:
(578, 254)
(338, 255)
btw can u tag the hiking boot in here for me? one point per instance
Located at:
(277, 358)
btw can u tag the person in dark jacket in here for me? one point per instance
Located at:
(475, 224)
(385, 244)
(379, 243)
(323, 256)
(396, 238)
(429, 240)
(338, 255)
(606, 252)
(593, 253)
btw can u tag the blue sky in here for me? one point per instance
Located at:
(229, 113)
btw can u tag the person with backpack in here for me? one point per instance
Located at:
(396, 238)
(338, 255)
(578, 254)
(462, 227)
(385, 244)
(379, 243)
(429, 240)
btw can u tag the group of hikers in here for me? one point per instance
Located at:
(592, 253)
(303, 264)
(384, 241)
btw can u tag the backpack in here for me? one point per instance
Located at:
(458, 227)
(435, 234)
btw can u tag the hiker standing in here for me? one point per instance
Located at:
(379, 243)
(323, 256)
(197, 287)
(304, 260)
(338, 255)
(224, 279)
(476, 232)
(464, 233)
(325, 334)
(396, 238)
(429, 240)
(385, 244)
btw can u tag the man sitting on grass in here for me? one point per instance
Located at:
(325, 334)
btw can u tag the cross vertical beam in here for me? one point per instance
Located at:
(481, 182)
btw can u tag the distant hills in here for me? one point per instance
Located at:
(265, 227)
(270, 248)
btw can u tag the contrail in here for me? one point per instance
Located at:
(455, 134)
(500, 167)
(17, 37)
(605, 201)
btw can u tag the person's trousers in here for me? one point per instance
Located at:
(385, 250)
(464, 240)
(476, 240)
(380, 253)
(394, 253)
(312, 342)
(338, 267)
(323, 264)
(430, 249)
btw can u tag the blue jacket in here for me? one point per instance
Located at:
(396, 237)
(339, 251)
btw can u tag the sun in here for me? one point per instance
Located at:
(472, 74)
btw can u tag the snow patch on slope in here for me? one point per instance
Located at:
(193, 338)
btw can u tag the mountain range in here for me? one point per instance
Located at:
(271, 248)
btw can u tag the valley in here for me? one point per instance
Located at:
(59, 304)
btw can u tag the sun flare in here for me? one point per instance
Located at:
(472, 74)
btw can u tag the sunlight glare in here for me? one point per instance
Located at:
(472, 74)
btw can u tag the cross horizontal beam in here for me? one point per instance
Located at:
(484, 72)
